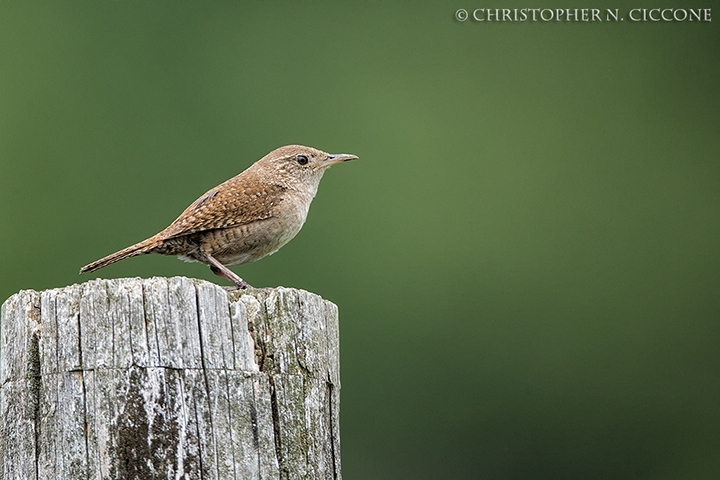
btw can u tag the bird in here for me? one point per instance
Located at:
(245, 218)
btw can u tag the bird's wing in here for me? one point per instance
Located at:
(233, 203)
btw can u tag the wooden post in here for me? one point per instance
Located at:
(168, 378)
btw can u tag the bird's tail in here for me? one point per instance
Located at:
(138, 249)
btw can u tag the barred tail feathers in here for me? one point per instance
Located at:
(138, 249)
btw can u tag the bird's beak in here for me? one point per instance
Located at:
(334, 158)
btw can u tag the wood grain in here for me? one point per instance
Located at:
(169, 378)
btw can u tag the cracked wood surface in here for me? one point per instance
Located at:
(168, 378)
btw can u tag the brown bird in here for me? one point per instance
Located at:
(245, 218)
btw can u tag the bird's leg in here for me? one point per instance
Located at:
(228, 274)
(221, 270)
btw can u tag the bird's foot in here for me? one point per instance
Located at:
(221, 270)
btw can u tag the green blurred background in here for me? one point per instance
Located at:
(526, 257)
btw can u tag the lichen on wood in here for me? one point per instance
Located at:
(168, 378)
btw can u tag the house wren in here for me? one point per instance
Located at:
(245, 218)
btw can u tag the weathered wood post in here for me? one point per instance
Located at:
(168, 378)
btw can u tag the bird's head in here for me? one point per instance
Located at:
(300, 166)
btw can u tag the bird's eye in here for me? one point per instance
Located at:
(302, 159)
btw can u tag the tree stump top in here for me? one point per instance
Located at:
(169, 378)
